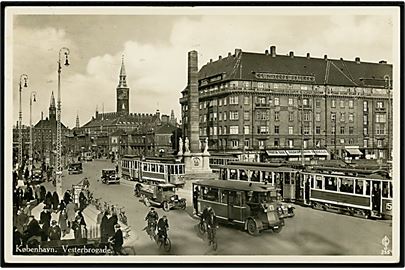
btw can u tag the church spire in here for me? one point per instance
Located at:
(77, 121)
(52, 101)
(52, 108)
(123, 75)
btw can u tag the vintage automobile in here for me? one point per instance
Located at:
(37, 175)
(109, 176)
(75, 168)
(159, 194)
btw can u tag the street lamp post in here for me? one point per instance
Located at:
(20, 138)
(388, 85)
(33, 94)
(65, 51)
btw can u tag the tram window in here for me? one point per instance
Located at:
(223, 173)
(312, 180)
(161, 169)
(211, 195)
(318, 182)
(385, 191)
(181, 169)
(346, 186)
(367, 187)
(255, 176)
(267, 177)
(176, 168)
(286, 178)
(233, 175)
(242, 175)
(145, 167)
(153, 167)
(331, 183)
(359, 187)
(224, 197)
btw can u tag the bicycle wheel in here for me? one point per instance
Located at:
(214, 243)
(201, 228)
(167, 245)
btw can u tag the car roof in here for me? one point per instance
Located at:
(166, 185)
(236, 185)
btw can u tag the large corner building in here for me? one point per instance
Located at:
(272, 105)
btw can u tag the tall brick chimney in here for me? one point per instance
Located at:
(193, 121)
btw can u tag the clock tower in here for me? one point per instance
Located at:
(122, 92)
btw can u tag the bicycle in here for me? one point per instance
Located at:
(163, 241)
(151, 230)
(212, 230)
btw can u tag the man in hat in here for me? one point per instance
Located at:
(54, 231)
(33, 229)
(117, 240)
(45, 220)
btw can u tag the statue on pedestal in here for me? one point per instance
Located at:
(199, 145)
(187, 145)
(180, 147)
(206, 145)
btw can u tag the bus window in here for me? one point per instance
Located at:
(385, 191)
(211, 194)
(255, 176)
(242, 175)
(359, 187)
(224, 197)
(233, 175)
(347, 185)
(318, 182)
(367, 187)
(331, 183)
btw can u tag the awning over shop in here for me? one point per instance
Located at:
(276, 153)
(321, 152)
(298, 152)
(354, 151)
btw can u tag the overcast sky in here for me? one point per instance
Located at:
(155, 49)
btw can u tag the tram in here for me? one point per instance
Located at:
(346, 190)
(277, 174)
(153, 169)
(219, 159)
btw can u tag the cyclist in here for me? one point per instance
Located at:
(206, 213)
(212, 225)
(152, 217)
(163, 227)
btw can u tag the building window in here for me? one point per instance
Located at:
(365, 106)
(262, 115)
(210, 131)
(276, 142)
(247, 143)
(277, 101)
(380, 104)
(234, 130)
(234, 143)
(200, 106)
(290, 130)
(351, 117)
(260, 85)
(290, 143)
(220, 102)
(276, 129)
(318, 103)
(204, 118)
(306, 116)
(342, 141)
(224, 131)
(276, 116)
(205, 104)
(318, 117)
(380, 118)
(246, 116)
(246, 100)
(333, 103)
(225, 116)
(342, 130)
(290, 102)
(380, 129)
(263, 130)
(233, 115)
(351, 130)
(246, 84)
(225, 101)
(215, 131)
(318, 143)
(305, 102)
(306, 130)
(333, 116)
(233, 100)
(261, 144)
(351, 104)
(342, 117)
(291, 116)
(220, 132)
(365, 143)
(365, 131)
(333, 130)
(351, 141)
(220, 116)
(379, 143)
(246, 130)
(318, 130)
(342, 104)
(365, 120)
(332, 141)
(261, 100)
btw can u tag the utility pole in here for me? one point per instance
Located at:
(33, 94)
(20, 135)
(66, 51)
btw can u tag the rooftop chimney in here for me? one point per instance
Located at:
(357, 60)
(237, 52)
(273, 51)
(292, 54)
(219, 57)
(229, 54)
(266, 52)
(308, 55)
(383, 62)
(325, 57)
(211, 60)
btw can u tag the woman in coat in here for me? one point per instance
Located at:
(43, 193)
(63, 222)
(55, 201)
(71, 213)
(48, 200)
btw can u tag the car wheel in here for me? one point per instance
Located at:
(278, 229)
(251, 227)
(165, 206)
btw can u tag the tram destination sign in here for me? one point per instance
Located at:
(284, 77)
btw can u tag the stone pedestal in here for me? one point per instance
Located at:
(196, 163)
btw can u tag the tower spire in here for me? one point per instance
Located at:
(123, 75)
(77, 121)
(52, 104)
